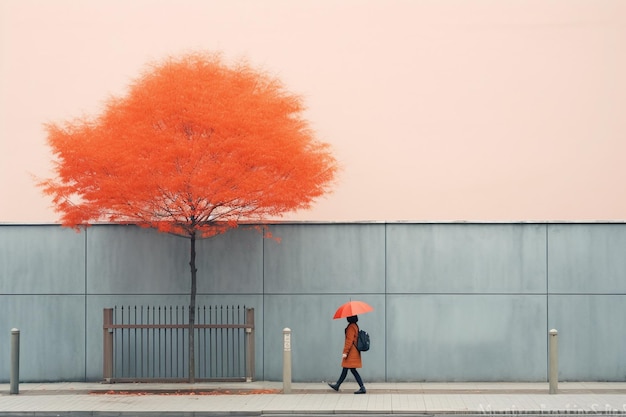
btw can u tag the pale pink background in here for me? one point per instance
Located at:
(437, 109)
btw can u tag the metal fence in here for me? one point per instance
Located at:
(144, 344)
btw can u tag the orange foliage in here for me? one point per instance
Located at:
(218, 391)
(196, 146)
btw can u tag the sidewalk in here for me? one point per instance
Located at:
(262, 398)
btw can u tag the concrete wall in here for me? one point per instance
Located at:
(453, 302)
(587, 299)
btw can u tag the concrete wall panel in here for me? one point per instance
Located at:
(587, 258)
(229, 263)
(131, 260)
(144, 261)
(41, 259)
(466, 337)
(52, 336)
(466, 258)
(322, 258)
(592, 336)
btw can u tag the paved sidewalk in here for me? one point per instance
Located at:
(262, 398)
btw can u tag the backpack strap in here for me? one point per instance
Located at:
(357, 337)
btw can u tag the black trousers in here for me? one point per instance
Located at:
(344, 373)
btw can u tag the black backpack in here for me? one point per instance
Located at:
(363, 341)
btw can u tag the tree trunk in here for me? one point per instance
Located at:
(192, 311)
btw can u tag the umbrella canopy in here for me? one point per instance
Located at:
(352, 308)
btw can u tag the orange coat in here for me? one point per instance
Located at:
(353, 360)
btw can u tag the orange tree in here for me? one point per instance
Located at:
(195, 147)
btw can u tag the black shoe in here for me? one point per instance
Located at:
(334, 386)
(360, 391)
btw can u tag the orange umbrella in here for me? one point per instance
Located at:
(352, 308)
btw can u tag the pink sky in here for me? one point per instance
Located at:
(438, 110)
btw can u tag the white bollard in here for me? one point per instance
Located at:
(554, 361)
(15, 362)
(286, 360)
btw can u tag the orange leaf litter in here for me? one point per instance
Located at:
(208, 392)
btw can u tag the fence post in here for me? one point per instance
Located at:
(286, 360)
(107, 349)
(15, 361)
(554, 361)
(250, 344)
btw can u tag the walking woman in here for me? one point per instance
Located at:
(351, 358)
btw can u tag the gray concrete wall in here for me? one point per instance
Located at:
(587, 299)
(470, 299)
(453, 302)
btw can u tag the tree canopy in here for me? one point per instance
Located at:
(195, 146)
